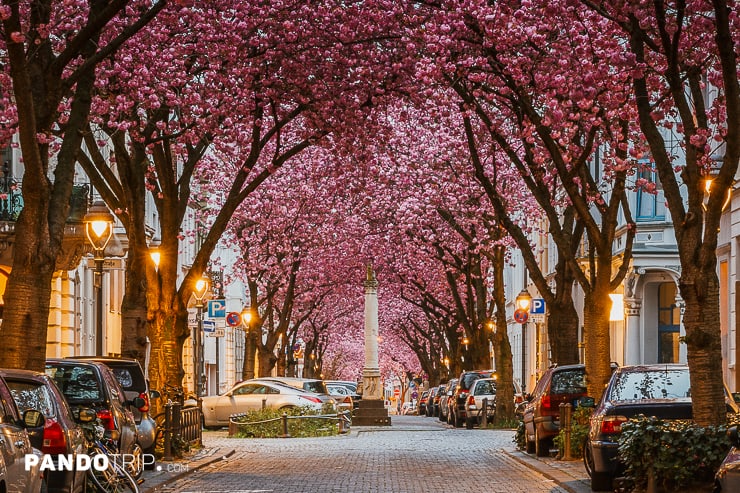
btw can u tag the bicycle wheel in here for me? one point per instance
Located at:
(112, 479)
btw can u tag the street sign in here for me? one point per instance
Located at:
(537, 318)
(538, 306)
(216, 333)
(233, 319)
(396, 392)
(216, 308)
(209, 325)
(521, 316)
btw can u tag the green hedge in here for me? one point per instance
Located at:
(579, 426)
(677, 453)
(302, 422)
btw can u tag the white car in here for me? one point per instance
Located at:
(253, 395)
(483, 388)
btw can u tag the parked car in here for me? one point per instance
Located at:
(253, 395)
(661, 390)
(409, 408)
(423, 402)
(483, 388)
(457, 412)
(15, 445)
(130, 375)
(60, 434)
(444, 408)
(342, 391)
(727, 478)
(90, 384)
(308, 384)
(433, 401)
(559, 384)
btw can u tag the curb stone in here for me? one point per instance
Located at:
(567, 474)
(199, 460)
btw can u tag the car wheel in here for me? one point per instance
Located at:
(440, 416)
(541, 445)
(601, 481)
(136, 467)
(149, 453)
(457, 420)
(469, 423)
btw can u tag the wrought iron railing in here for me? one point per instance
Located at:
(11, 200)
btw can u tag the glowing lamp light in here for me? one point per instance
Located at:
(617, 312)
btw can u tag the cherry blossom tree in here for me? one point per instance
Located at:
(49, 53)
(683, 62)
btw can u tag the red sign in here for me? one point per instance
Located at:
(521, 316)
(233, 319)
(396, 392)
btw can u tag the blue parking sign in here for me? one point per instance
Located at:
(538, 306)
(216, 308)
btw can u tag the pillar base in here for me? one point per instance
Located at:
(371, 412)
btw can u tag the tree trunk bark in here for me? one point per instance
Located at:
(700, 291)
(597, 305)
(250, 354)
(266, 361)
(562, 331)
(168, 333)
(134, 312)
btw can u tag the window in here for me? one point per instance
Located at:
(669, 323)
(650, 198)
(32, 396)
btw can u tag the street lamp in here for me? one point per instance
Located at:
(199, 293)
(99, 229)
(523, 302)
(154, 253)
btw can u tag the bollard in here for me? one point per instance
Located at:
(167, 432)
(484, 418)
(285, 425)
(264, 402)
(340, 422)
(565, 415)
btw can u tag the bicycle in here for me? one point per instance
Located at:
(107, 476)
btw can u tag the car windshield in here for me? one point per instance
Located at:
(485, 387)
(78, 383)
(32, 396)
(468, 379)
(661, 384)
(317, 386)
(568, 382)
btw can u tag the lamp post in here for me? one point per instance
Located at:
(523, 302)
(201, 287)
(99, 229)
(491, 325)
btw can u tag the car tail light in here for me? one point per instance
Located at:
(471, 400)
(311, 398)
(107, 419)
(145, 407)
(545, 402)
(347, 400)
(55, 441)
(611, 425)
(518, 399)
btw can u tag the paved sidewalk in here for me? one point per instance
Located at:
(569, 475)
(168, 472)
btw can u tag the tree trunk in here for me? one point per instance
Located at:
(597, 305)
(562, 331)
(134, 312)
(250, 354)
(266, 361)
(165, 362)
(27, 308)
(700, 291)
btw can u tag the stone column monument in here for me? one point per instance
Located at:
(372, 410)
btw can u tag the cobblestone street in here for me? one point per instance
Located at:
(416, 454)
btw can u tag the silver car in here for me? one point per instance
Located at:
(308, 384)
(15, 446)
(253, 395)
(483, 388)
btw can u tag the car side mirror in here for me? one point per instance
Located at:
(586, 402)
(86, 415)
(138, 402)
(154, 394)
(33, 418)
